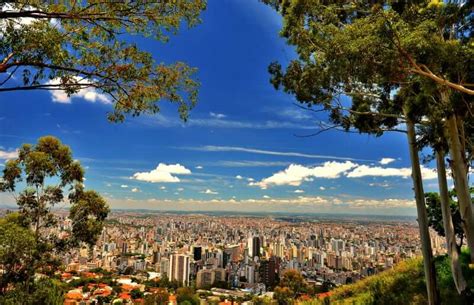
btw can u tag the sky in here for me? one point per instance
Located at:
(242, 148)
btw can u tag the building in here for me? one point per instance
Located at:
(179, 269)
(208, 277)
(254, 246)
(269, 271)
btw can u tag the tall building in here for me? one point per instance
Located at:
(269, 271)
(197, 253)
(180, 265)
(255, 246)
(165, 267)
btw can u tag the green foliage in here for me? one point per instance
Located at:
(49, 161)
(187, 294)
(74, 45)
(435, 216)
(17, 249)
(284, 295)
(43, 291)
(161, 297)
(136, 294)
(368, 51)
(404, 284)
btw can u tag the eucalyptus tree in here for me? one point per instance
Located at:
(83, 45)
(378, 53)
(49, 176)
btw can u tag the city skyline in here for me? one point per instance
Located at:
(237, 152)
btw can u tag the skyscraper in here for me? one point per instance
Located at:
(255, 246)
(180, 268)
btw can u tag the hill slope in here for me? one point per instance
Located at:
(404, 284)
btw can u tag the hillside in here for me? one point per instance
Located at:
(404, 284)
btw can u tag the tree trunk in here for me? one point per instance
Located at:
(458, 167)
(456, 270)
(430, 273)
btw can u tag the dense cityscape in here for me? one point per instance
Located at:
(236, 152)
(236, 256)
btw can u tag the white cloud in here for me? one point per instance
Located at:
(266, 196)
(322, 188)
(385, 161)
(388, 206)
(162, 187)
(214, 148)
(89, 94)
(295, 174)
(250, 179)
(199, 167)
(124, 186)
(180, 189)
(298, 191)
(294, 113)
(239, 177)
(162, 173)
(217, 115)
(246, 163)
(209, 192)
(377, 171)
(5, 155)
(135, 190)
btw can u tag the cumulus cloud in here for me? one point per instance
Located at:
(377, 171)
(89, 94)
(124, 186)
(199, 167)
(135, 190)
(385, 161)
(162, 173)
(322, 188)
(298, 191)
(209, 192)
(5, 155)
(239, 177)
(295, 174)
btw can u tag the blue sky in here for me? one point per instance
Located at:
(237, 152)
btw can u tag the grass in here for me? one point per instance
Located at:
(404, 284)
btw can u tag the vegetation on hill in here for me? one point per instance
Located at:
(404, 284)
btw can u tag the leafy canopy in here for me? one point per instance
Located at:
(378, 54)
(73, 45)
(50, 176)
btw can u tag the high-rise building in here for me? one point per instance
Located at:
(269, 270)
(255, 246)
(197, 253)
(180, 268)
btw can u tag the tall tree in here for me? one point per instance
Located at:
(50, 176)
(371, 52)
(79, 45)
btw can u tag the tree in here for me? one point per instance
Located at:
(17, 245)
(186, 294)
(284, 295)
(383, 55)
(84, 45)
(160, 297)
(295, 281)
(435, 218)
(49, 161)
(136, 294)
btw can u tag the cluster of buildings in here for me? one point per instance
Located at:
(246, 253)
